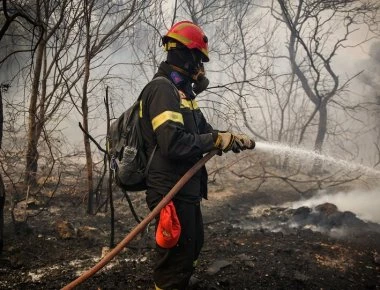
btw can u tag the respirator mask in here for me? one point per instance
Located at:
(189, 62)
(201, 82)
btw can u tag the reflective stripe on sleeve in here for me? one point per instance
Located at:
(195, 104)
(190, 104)
(166, 116)
(140, 110)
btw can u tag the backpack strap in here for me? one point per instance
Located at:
(149, 161)
(155, 147)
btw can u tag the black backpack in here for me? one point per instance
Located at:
(128, 159)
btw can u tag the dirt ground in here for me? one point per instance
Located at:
(235, 255)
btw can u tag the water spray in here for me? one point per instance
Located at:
(283, 149)
(364, 203)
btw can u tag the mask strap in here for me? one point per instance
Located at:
(182, 71)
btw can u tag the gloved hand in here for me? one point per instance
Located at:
(227, 141)
(244, 141)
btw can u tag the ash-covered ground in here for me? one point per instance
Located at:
(252, 242)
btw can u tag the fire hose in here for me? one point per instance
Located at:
(143, 224)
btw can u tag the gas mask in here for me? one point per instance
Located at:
(189, 63)
(201, 82)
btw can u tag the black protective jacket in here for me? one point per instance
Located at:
(171, 118)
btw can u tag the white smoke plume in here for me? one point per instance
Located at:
(365, 204)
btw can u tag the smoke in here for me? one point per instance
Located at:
(371, 74)
(365, 204)
(371, 70)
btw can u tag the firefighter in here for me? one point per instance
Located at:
(174, 128)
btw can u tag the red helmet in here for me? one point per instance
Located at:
(190, 35)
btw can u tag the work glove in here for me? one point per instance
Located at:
(226, 142)
(244, 141)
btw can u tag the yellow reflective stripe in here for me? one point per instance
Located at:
(195, 105)
(186, 104)
(140, 110)
(204, 51)
(166, 116)
(170, 45)
(190, 104)
(185, 40)
(158, 288)
(179, 37)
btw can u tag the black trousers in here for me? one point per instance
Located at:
(175, 266)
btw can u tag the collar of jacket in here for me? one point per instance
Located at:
(182, 82)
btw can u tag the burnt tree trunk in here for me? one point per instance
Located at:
(109, 187)
(322, 128)
(321, 134)
(87, 146)
(32, 151)
(86, 139)
(2, 188)
(2, 202)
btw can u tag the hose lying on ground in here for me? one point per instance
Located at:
(143, 224)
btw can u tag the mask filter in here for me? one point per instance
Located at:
(200, 84)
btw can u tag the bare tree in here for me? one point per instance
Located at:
(7, 21)
(50, 87)
(14, 15)
(60, 65)
(46, 27)
(318, 30)
(100, 33)
(2, 188)
(205, 12)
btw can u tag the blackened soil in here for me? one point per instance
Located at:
(232, 258)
